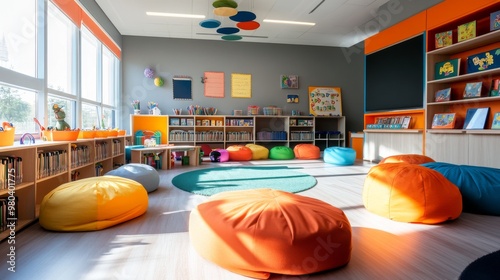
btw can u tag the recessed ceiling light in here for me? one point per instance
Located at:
(174, 15)
(290, 22)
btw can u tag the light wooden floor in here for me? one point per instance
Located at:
(156, 245)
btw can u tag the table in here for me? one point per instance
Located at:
(193, 152)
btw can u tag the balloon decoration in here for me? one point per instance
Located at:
(158, 82)
(149, 73)
(245, 20)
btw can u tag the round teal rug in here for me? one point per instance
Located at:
(215, 180)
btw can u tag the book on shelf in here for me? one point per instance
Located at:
(495, 124)
(443, 39)
(473, 90)
(494, 87)
(445, 120)
(447, 69)
(483, 61)
(443, 95)
(396, 122)
(475, 118)
(495, 21)
(466, 31)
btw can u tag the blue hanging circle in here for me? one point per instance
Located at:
(243, 16)
(231, 37)
(228, 30)
(210, 23)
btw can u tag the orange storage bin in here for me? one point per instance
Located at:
(112, 133)
(7, 137)
(55, 135)
(86, 134)
(101, 133)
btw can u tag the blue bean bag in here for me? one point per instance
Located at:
(339, 155)
(480, 186)
(144, 174)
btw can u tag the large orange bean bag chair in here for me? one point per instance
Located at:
(258, 151)
(411, 193)
(93, 204)
(262, 231)
(239, 153)
(306, 151)
(407, 158)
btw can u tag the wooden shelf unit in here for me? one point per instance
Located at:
(36, 183)
(220, 131)
(476, 147)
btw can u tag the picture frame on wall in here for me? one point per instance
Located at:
(289, 81)
(475, 118)
(444, 121)
(443, 95)
(325, 101)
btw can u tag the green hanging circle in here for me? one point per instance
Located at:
(225, 3)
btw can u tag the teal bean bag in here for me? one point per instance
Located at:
(144, 174)
(479, 186)
(339, 155)
(281, 152)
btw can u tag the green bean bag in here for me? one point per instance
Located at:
(281, 152)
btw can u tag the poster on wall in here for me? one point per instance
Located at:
(241, 85)
(325, 101)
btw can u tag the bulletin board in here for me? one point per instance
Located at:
(325, 101)
(182, 88)
(214, 84)
(241, 85)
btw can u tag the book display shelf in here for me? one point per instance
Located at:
(221, 131)
(399, 130)
(29, 172)
(479, 58)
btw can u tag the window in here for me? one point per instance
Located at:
(18, 107)
(109, 77)
(85, 87)
(18, 36)
(66, 105)
(61, 51)
(89, 65)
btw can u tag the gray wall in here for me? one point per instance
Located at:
(315, 66)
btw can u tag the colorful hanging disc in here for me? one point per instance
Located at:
(228, 30)
(231, 37)
(248, 25)
(243, 16)
(210, 23)
(225, 11)
(225, 3)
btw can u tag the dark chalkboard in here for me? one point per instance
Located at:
(395, 76)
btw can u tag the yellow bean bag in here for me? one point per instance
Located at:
(407, 158)
(93, 204)
(262, 231)
(411, 193)
(258, 151)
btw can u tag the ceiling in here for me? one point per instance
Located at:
(339, 23)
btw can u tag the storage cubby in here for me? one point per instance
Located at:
(43, 166)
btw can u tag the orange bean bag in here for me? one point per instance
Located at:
(407, 158)
(262, 231)
(306, 151)
(258, 151)
(239, 153)
(411, 193)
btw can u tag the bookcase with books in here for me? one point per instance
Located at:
(29, 172)
(462, 91)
